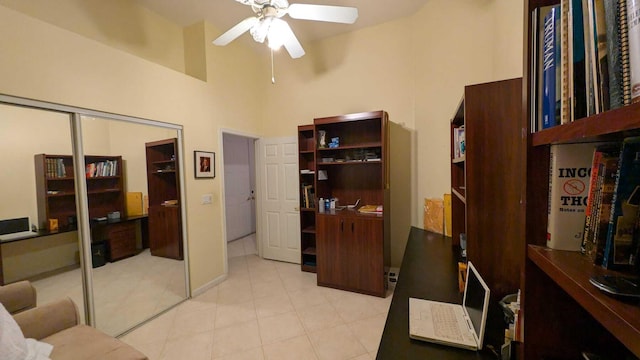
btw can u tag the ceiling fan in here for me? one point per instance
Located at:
(267, 22)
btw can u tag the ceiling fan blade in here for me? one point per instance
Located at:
(290, 41)
(338, 14)
(235, 31)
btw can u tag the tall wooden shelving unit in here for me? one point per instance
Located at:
(307, 166)
(55, 190)
(564, 314)
(163, 180)
(353, 249)
(487, 183)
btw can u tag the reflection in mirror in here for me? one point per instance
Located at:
(133, 278)
(30, 185)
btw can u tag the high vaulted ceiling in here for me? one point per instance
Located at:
(226, 13)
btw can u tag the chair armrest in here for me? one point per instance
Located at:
(48, 319)
(18, 296)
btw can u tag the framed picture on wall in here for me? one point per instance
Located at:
(204, 163)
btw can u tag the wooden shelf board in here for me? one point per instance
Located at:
(306, 152)
(164, 162)
(66, 178)
(308, 209)
(458, 195)
(309, 251)
(458, 160)
(308, 268)
(354, 146)
(571, 271)
(350, 163)
(607, 125)
(309, 230)
(102, 177)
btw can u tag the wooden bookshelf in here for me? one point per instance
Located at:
(307, 163)
(564, 315)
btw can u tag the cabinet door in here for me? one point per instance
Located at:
(364, 247)
(331, 260)
(122, 240)
(164, 232)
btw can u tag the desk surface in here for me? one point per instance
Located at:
(45, 232)
(429, 271)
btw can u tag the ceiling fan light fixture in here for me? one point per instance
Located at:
(277, 33)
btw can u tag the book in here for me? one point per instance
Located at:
(608, 169)
(569, 174)
(633, 23)
(577, 71)
(538, 16)
(551, 50)
(624, 206)
(564, 82)
(603, 153)
(617, 52)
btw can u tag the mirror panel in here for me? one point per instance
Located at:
(131, 282)
(49, 259)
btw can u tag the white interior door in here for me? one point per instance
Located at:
(279, 199)
(239, 180)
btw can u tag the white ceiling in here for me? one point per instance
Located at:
(226, 13)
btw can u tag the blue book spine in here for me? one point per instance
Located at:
(623, 212)
(549, 68)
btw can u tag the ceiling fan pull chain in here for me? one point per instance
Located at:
(273, 77)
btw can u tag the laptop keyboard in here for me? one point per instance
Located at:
(445, 324)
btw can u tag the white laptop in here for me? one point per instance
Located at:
(453, 324)
(12, 229)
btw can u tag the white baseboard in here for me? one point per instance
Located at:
(202, 289)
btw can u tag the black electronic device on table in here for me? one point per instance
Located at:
(617, 285)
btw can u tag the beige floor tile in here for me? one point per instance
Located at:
(235, 292)
(352, 308)
(308, 297)
(236, 339)
(297, 348)
(364, 357)
(152, 350)
(235, 248)
(253, 354)
(369, 331)
(193, 322)
(319, 317)
(264, 289)
(196, 347)
(156, 330)
(273, 305)
(336, 343)
(232, 314)
(280, 327)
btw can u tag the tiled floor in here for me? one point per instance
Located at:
(266, 310)
(126, 292)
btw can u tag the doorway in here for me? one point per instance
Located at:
(239, 193)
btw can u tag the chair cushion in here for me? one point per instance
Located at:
(13, 345)
(86, 343)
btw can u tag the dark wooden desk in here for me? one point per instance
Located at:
(430, 271)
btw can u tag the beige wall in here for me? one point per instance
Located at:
(117, 23)
(414, 68)
(49, 63)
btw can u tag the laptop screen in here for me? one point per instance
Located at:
(476, 301)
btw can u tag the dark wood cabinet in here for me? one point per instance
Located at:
(120, 238)
(307, 166)
(350, 164)
(487, 183)
(164, 230)
(351, 253)
(163, 180)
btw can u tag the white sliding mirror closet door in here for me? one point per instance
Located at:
(135, 274)
(37, 183)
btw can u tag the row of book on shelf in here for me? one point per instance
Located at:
(458, 142)
(308, 196)
(594, 196)
(55, 168)
(585, 59)
(102, 168)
